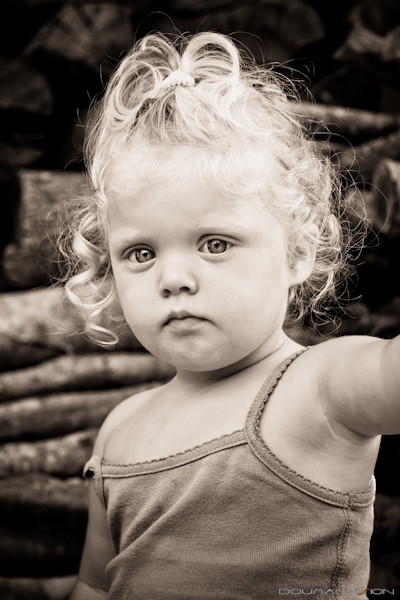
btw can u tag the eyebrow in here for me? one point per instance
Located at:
(231, 228)
(225, 227)
(125, 238)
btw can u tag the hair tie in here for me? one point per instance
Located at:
(178, 78)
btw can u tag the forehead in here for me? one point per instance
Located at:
(178, 201)
(233, 169)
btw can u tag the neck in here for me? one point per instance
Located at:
(262, 360)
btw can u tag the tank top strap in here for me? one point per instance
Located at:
(356, 499)
(93, 469)
(257, 407)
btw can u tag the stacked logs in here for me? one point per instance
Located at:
(56, 387)
(54, 395)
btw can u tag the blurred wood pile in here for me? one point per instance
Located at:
(55, 386)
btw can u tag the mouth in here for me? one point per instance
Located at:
(183, 318)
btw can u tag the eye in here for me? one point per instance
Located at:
(215, 246)
(140, 255)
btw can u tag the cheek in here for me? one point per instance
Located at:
(130, 297)
(121, 289)
(267, 272)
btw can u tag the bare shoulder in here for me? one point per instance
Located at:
(359, 383)
(347, 346)
(315, 421)
(347, 366)
(121, 421)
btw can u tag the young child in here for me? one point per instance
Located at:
(250, 473)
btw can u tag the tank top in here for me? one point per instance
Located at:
(228, 520)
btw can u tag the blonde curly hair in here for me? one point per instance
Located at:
(243, 117)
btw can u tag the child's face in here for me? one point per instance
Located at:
(202, 279)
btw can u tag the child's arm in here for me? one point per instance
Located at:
(83, 591)
(98, 550)
(360, 384)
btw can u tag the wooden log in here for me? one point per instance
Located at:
(386, 193)
(352, 123)
(85, 372)
(20, 353)
(365, 157)
(361, 44)
(51, 547)
(26, 103)
(64, 456)
(374, 52)
(42, 525)
(39, 324)
(24, 88)
(45, 549)
(31, 258)
(59, 414)
(36, 588)
(390, 50)
(41, 494)
(20, 151)
(55, 551)
(86, 33)
(382, 15)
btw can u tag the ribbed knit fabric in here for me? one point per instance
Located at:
(228, 520)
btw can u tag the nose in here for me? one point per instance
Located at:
(176, 277)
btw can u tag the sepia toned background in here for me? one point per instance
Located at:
(55, 386)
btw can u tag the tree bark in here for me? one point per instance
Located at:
(64, 456)
(59, 414)
(42, 525)
(87, 33)
(40, 323)
(24, 88)
(84, 372)
(31, 258)
(38, 494)
(352, 123)
(364, 158)
(363, 45)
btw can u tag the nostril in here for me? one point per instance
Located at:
(166, 292)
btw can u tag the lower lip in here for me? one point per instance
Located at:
(185, 324)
